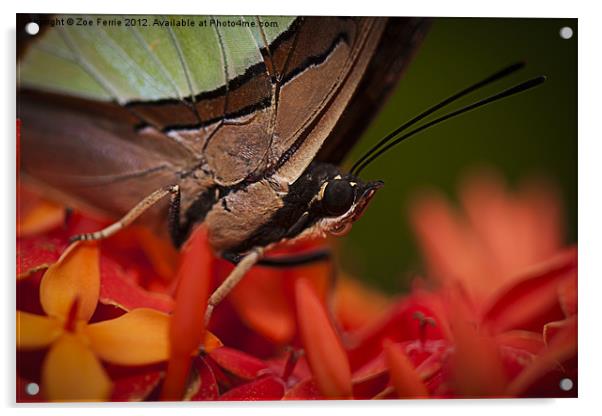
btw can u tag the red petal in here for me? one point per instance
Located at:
(557, 329)
(372, 368)
(187, 328)
(402, 323)
(370, 387)
(238, 363)
(266, 388)
(205, 385)
(533, 300)
(291, 366)
(325, 353)
(37, 253)
(558, 360)
(224, 380)
(137, 387)
(118, 288)
(567, 296)
(305, 390)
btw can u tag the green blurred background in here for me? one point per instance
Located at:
(534, 133)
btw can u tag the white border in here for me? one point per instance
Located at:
(590, 206)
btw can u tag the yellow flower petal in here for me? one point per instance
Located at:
(76, 275)
(35, 331)
(71, 372)
(138, 337)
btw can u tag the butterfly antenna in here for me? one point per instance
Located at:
(491, 78)
(501, 95)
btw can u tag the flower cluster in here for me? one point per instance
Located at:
(122, 319)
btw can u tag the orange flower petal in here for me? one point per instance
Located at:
(502, 223)
(75, 275)
(71, 372)
(260, 301)
(136, 338)
(35, 331)
(404, 377)
(476, 363)
(41, 217)
(187, 326)
(263, 299)
(211, 342)
(450, 247)
(357, 305)
(160, 252)
(327, 357)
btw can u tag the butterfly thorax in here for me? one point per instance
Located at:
(322, 201)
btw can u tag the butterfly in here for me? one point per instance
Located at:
(235, 122)
(239, 122)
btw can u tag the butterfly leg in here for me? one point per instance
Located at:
(139, 209)
(235, 276)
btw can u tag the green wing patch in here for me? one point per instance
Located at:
(146, 58)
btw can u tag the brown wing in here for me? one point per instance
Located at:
(276, 116)
(399, 43)
(270, 121)
(89, 154)
(314, 99)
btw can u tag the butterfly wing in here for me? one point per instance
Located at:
(396, 48)
(109, 114)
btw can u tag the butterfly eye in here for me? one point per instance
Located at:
(338, 197)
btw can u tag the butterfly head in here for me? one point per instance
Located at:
(341, 201)
(334, 200)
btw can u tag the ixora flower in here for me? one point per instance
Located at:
(496, 236)
(500, 317)
(497, 316)
(69, 293)
(513, 280)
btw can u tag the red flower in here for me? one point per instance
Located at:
(497, 235)
(498, 319)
